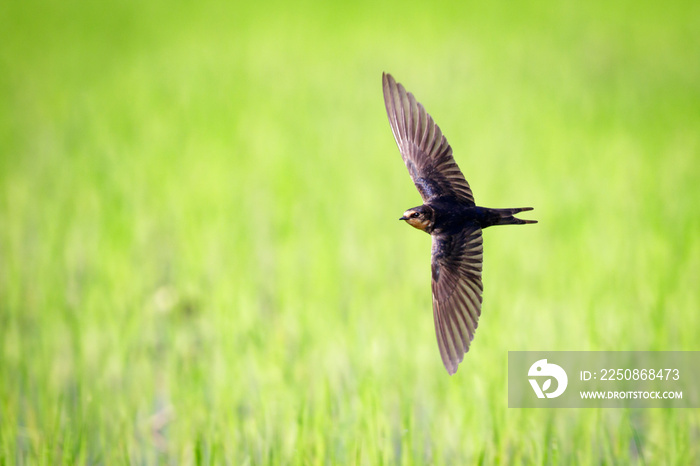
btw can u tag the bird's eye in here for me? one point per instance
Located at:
(415, 215)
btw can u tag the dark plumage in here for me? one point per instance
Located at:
(449, 215)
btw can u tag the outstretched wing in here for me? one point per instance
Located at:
(424, 149)
(457, 289)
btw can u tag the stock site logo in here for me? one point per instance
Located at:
(541, 369)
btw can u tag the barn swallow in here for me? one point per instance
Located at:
(451, 217)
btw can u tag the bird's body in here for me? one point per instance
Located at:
(450, 215)
(446, 216)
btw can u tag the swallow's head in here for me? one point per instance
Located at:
(420, 217)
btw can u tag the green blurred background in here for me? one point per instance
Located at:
(200, 260)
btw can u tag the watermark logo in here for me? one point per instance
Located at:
(541, 369)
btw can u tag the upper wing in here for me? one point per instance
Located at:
(457, 290)
(423, 148)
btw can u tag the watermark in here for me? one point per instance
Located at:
(541, 369)
(604, 379)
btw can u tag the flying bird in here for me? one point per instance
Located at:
(451, 217)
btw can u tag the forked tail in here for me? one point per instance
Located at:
(505, 216)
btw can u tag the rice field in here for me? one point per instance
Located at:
(200, 258)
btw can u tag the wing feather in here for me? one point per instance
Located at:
(424, 149)
(457, 291)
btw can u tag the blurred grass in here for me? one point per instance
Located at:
(199, 255)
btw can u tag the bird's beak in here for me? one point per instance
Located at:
(403, 218)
